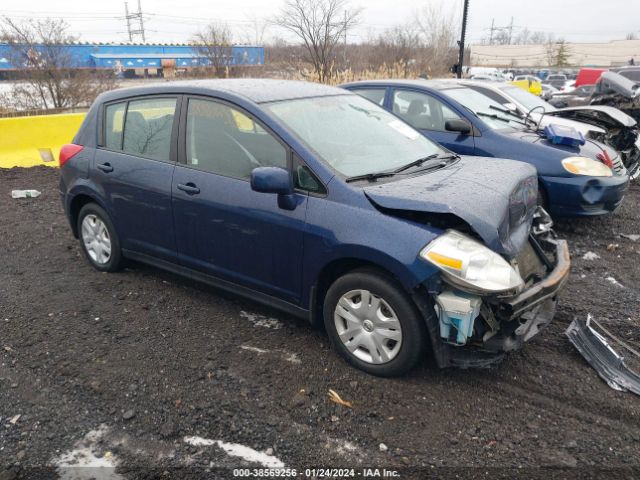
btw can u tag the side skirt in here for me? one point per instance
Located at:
(216, 282)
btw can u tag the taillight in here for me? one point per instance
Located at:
(68, 151)
(605, 158)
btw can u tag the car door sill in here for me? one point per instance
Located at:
(219, 283)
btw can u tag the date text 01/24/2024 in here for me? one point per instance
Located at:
(317, 473)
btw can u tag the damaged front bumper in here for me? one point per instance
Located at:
(484, 328)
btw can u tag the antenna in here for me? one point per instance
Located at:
(134, 16)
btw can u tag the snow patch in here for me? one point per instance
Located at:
(83, 462)
(613, 281)
(237, 450)
(261, 320)
(590, 256)
(253, 349)
(291, 357)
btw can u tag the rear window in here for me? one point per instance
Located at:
(147, 128)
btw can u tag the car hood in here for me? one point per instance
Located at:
(495, 197)
(600, 115)
(591, 149)
(584, 128)
(619, 84)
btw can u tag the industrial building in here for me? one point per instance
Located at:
(131, 59)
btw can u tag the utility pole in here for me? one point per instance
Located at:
(462, 35)
(510, 30)
(493, 22)
(134, 16)
(345, 38)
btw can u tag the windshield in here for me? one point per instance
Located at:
(491, 112)
(352, 134)
(528, 100)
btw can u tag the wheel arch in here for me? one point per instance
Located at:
(77, 202)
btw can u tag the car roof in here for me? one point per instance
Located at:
(254, 89)
(439, 84)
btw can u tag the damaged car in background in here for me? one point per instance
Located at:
(604, 124)
(326, 206)
(577, 176)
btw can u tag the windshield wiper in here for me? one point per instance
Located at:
(390, 173)
(370, 176)
(420, 161)
(498, 117)
(513, 114)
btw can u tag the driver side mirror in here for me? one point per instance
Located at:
(274, 180)
(457, 125)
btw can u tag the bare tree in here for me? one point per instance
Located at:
(39, 50)
(320, 24)
(214, 43)
(401, 46)
(438, 26)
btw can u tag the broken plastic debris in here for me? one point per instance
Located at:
(13, 420)
(612, 247)
(25, 193)
(334, 397)
(596, 350)
(590, 256)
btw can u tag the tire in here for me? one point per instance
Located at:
(98, 234)
(398, 336)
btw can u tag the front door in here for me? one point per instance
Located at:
(223, 227)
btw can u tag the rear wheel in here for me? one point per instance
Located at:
(98, 238)
(373, 323)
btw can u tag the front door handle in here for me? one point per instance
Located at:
(105, 167)
(189, 188)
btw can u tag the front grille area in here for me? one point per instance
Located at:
(529, 264)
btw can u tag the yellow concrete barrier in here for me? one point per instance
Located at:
(30, 141)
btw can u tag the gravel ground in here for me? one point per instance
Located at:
(124, 369)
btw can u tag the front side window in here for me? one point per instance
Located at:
(114, 123)
(376, 95)
(491, 112)
(147, 128)
(351, 134)
(223, 140)
(422, 111)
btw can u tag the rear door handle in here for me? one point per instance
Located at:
(105, 167)
(189, 188)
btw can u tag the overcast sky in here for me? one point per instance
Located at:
(177, 20)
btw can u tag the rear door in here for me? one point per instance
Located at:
(133, 167)
(223, 227)
(429, 114)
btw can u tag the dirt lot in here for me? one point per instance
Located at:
(122, 369)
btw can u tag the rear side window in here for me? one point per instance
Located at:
(147, 128)
(114, 123)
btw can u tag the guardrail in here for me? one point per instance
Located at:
(36, 140)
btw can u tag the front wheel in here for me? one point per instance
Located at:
(98, 238)
(373, 324)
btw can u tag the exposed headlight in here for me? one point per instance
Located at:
(470, 265)
(586, 166)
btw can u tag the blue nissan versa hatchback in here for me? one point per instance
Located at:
(574, 180)
(314, 200)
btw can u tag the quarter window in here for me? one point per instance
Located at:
(147, 129)
(223, 140)
(376, 95)
(422, 111)
(114, 122)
